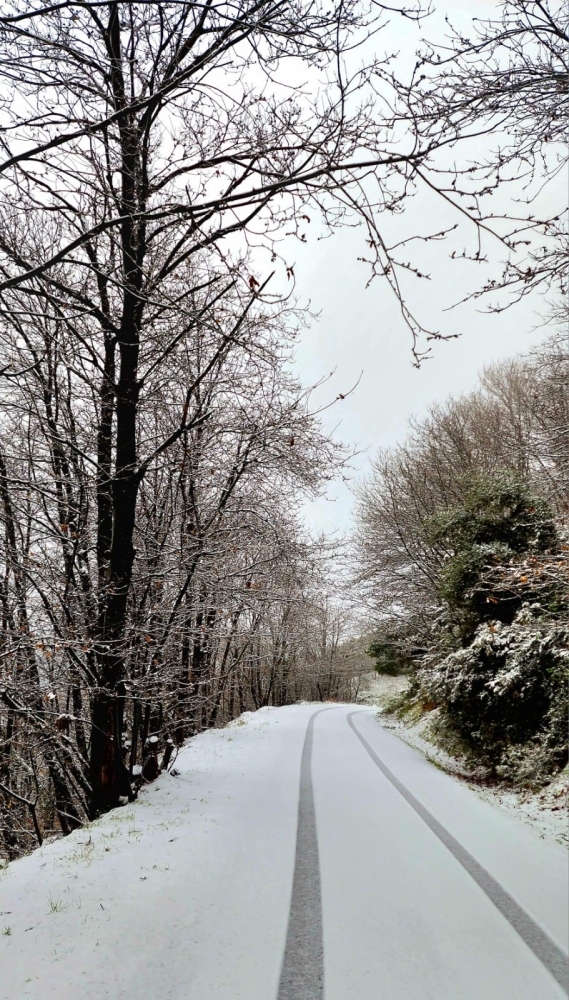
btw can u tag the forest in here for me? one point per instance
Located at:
(462, 561)
(156, 577)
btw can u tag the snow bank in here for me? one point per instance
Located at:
(149, 900)
(545, 810)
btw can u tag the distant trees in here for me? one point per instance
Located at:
(515, 421)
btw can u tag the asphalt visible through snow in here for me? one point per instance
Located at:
(549, 954)
(302, 853)
(302, 976)
(303, 972)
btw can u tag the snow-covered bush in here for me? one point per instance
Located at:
(506, 694)
(500, 523)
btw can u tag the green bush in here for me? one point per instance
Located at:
(506, 695)
(498, 521)
(389, 658)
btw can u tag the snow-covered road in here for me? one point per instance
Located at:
(278, 865)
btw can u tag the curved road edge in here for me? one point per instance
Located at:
(546, 951)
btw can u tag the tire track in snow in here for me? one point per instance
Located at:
(302, 975)
(548, 953)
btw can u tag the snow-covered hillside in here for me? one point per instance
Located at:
(150, 885)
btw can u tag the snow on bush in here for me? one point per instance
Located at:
(506, 695)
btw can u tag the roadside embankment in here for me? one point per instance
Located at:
(544, 809)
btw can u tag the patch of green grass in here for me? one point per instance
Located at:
(7, 931)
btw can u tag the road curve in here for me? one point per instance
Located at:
(301, 853)
(388, 902)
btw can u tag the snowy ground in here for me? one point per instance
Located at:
(186, 894)
(545, 811)
(161, 898)
(380, 689)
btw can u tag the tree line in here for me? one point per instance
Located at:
(463, 564)
(153, 444)
(227, 607)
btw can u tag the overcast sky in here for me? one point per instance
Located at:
(360, 331)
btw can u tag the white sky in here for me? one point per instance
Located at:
(360, 330)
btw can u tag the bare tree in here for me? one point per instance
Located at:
(139, 139)
(215, 535)
(517, 421)
(496, 96)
